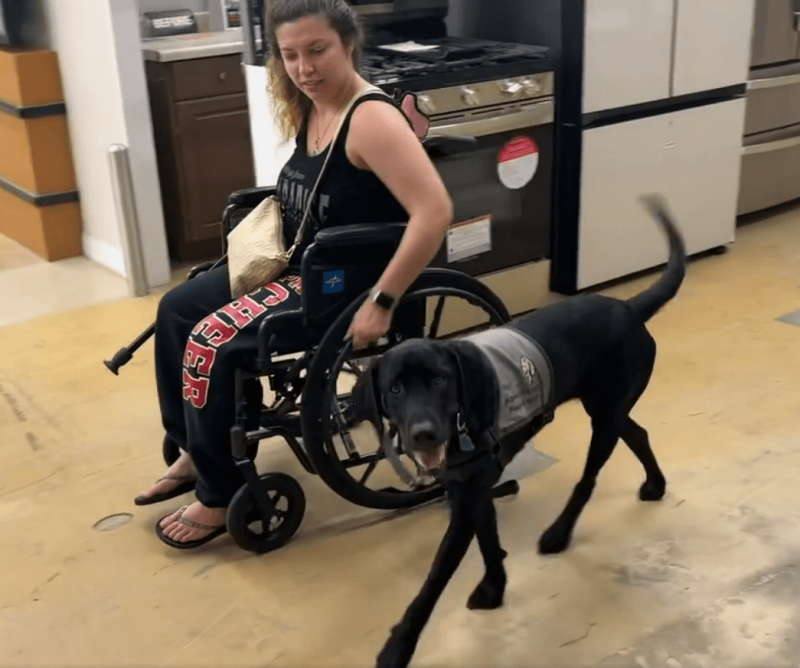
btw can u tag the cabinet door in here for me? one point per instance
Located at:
(216, 158)
(712, 44)
(627, 52)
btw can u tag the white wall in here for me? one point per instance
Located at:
(102, 72)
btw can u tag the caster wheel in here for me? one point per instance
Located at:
(170, 450)
(251, 531)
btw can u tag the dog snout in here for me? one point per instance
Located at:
(423, 434)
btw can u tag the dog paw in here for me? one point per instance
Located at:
(487, 596)
(396, 653)
(652, 490)
(556, 539)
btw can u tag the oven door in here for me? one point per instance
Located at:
(501, 189)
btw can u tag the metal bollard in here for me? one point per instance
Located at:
(126, 210)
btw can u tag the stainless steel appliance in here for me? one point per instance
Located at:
(501, 93)
(770, 173)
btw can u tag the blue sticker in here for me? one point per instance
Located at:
(333, 281)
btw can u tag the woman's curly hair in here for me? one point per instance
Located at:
(291, 106)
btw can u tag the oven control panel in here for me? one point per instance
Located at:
(486, 94)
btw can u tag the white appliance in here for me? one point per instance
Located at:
(651, 99)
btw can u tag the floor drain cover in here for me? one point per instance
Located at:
(113, 522)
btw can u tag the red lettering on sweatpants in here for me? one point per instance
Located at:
(243, 310)
(215, 330)
(198, 356)
(295, 283)
(195, 390)
(279, 294)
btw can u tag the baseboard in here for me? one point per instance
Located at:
(105, 255)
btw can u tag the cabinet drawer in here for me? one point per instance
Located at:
(770, 165)
(773, 102)
(207, 77)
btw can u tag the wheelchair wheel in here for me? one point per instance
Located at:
(323, 411)
(170, 450)
(251, 530)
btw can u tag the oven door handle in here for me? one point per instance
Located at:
(767, 147)
(774, 82)
(540, 113)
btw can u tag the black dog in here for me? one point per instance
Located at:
(450, 402)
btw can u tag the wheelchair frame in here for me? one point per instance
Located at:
(325, 326)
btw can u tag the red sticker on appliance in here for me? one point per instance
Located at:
(518, 162)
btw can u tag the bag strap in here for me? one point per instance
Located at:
(369, 91)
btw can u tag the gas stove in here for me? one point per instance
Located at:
(453, 75)
(450, 61)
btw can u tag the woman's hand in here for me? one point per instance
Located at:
(369, 324)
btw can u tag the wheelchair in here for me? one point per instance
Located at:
(302, 370)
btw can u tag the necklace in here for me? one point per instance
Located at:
(320, 135)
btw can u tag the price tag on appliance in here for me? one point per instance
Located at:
(468, 239)
(518, 162)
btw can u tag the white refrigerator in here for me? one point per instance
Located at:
(650, 98)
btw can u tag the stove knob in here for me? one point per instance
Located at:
(469, 96)
(510, 87)
(426, 105)
(531, 86)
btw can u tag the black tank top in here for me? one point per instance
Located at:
(346, 195)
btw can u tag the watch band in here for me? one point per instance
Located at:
(383, 299)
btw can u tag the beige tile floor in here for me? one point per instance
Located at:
(50, 287)
(708, 577)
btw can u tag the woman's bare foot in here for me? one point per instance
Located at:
(181, 526)
(180, 472)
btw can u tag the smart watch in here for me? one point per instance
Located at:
(383, 299)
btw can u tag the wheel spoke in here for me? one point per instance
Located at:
(368, 472)
(437, 318)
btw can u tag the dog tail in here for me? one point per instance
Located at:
(646, 304)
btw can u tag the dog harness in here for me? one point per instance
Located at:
(525, 387)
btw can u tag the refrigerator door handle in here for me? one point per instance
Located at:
(796, 13)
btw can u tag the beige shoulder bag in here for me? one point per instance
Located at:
(256, 250)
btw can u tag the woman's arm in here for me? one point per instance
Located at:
(381, 140)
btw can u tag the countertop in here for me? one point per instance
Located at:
(196, 45)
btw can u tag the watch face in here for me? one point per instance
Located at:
(383, 300)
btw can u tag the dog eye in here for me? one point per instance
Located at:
(394, 389)
(438, 380)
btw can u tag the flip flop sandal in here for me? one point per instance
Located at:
(188, 544)
(187, 486)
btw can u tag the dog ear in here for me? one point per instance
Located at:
(367, 397)
(478, 387)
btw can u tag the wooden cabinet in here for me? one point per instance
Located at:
(202, 135)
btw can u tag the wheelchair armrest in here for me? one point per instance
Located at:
(443, 145)
(363, 234)
(250, 197)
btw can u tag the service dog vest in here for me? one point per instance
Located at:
(523, 375)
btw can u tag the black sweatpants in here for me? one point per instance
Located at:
(200, 336)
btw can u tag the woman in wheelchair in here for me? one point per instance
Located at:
(378, 172)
